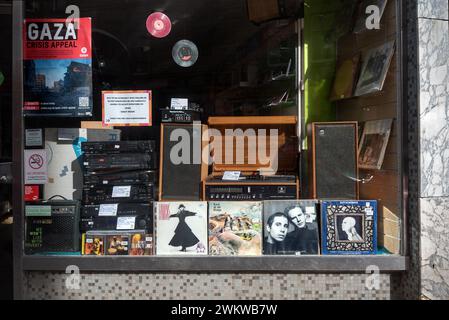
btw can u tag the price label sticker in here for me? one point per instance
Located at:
(310, 210)
(121, 192)
(126, 223)
(231, 176)
(108, 210)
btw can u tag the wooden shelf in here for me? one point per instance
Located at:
(252, 120)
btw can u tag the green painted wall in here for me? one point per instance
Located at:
(320, 35)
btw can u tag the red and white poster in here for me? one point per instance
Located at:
(58, 67)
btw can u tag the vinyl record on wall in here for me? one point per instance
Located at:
(158, 25)
(185, 53)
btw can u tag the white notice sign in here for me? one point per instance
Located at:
(121, 192)
(126, 223)
(35, 163)
(127, 108)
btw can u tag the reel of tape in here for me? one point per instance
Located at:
(185, 53)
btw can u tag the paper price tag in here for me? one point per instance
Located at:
(310, 210)
(126, 223)
(108, 210)
(179, 104)
(231, 176)
(121, 191)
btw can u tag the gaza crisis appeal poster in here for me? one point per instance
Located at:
(58, 67)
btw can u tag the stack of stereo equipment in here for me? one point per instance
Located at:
(118, 195)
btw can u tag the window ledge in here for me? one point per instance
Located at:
(264, 264)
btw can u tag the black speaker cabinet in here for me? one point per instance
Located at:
(334, 160)
(181, 167)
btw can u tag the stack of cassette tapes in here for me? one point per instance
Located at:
(118, 196)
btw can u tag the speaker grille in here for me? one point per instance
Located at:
(336, 161)
(181, 181)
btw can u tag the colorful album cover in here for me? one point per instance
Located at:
(117, 245)
(349, 227)
(290, 227)
(235, 228)
(142, 244)
(373, 143)
(57, 67)
(181, 228)
(93, 244)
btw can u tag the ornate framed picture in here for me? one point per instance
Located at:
(349, 227)
(376, 63)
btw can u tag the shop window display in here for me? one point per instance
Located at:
(233, 128)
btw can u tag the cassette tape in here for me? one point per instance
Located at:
(120, 178)
(106, 148)
(105, 194)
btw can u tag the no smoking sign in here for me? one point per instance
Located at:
(35, 166)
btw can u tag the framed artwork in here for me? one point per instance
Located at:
(360, 24)
(181, 228)
(235, 228)
(373, 143)
(345, 78)
(290, 227)
(349, 227)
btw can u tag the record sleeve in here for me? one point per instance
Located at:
(291, 227)
(373, 144)
(235, 228)
(345, 78)
(57, 67)
(349, 227)
(181, 228)
(376, 63)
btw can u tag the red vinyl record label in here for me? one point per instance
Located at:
(158, 25)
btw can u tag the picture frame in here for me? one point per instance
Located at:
(349, 227)
(376, 63)
(373, 143)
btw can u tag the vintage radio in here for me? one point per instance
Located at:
(117, 147)
(52, 226)
(120, 178)
(242, 144)
(98, 194)
(252, 188)
(180, 116)
(115, 162)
